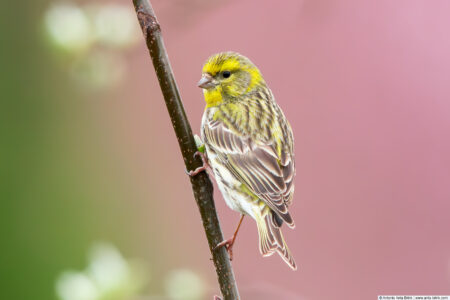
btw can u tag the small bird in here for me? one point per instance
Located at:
(249, 146)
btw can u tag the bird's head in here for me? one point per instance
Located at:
(228, 75)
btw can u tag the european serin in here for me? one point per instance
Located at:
(250, 148)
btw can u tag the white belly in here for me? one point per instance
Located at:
(230, 187)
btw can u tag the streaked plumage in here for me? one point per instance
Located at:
(249, 144)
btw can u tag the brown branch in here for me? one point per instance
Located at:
(201, 185)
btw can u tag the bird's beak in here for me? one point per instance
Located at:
(206, 82)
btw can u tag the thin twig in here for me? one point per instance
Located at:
(201, 185)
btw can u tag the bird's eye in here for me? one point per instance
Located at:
(226, 74)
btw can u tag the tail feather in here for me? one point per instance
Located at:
(271, 239)
(281, 210)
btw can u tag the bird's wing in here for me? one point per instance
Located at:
(267, 169)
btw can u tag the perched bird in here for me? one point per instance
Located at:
(250, 148)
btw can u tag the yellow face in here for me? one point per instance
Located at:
(226, 76)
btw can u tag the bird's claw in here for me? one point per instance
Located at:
(204, 167)
(228, 244)
(196, 171)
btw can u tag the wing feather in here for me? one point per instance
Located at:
(257, 164)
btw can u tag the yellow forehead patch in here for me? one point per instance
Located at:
(217, 64)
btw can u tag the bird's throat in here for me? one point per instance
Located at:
(213, 97)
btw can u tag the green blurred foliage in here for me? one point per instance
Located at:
(53, 164)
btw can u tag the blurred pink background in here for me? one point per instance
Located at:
(365, 85)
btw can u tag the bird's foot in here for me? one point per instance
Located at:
(204, 167)
(228, 245)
